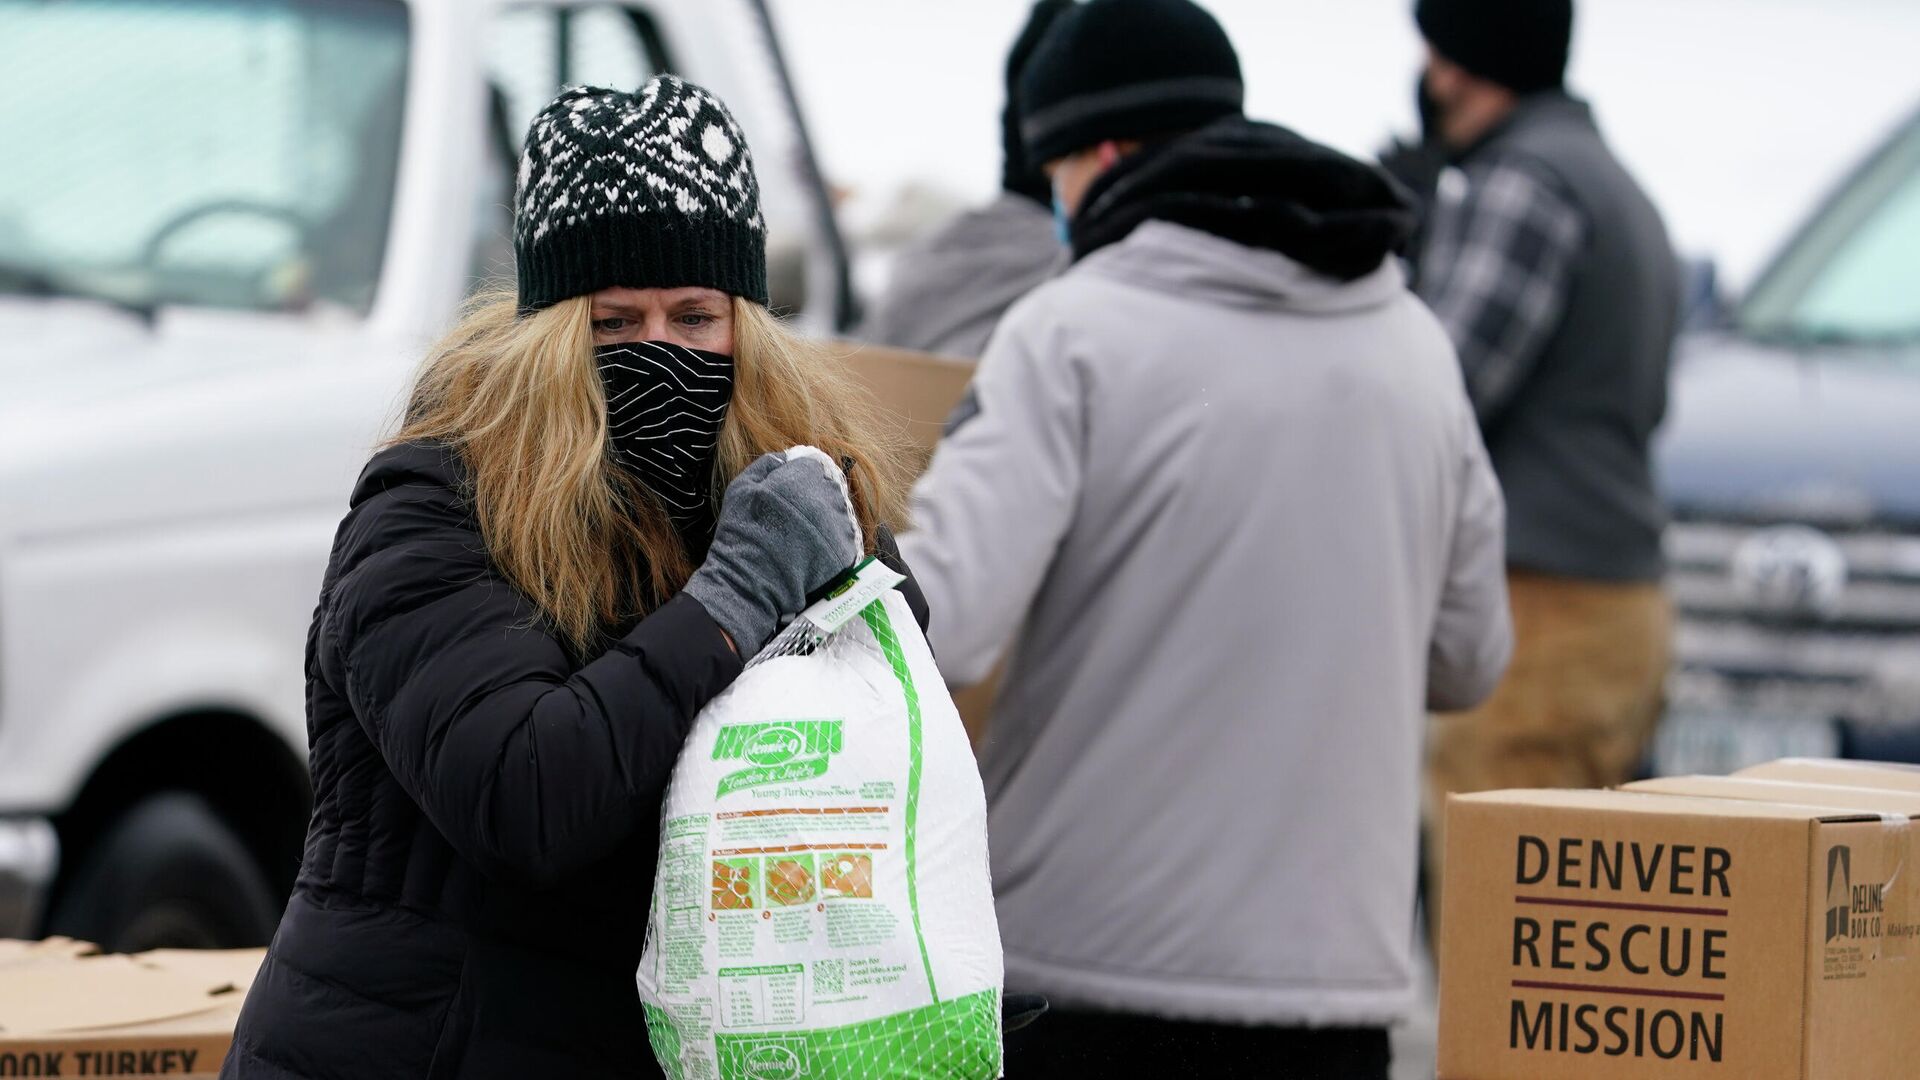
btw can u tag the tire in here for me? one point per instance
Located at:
(168, 873)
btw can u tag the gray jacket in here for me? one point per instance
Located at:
(950, 288)
(1240, 518)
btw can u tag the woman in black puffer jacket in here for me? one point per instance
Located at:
(533, 594)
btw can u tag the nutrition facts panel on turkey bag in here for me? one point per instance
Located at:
(773, 900)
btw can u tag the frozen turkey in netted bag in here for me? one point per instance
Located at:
(822, 906)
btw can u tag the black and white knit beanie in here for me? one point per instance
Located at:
(647, 190)
(1126, 69)
(1521, 44)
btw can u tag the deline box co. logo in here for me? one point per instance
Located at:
(1853, 911)
(776, 753)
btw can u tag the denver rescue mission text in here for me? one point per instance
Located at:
(1603, 948)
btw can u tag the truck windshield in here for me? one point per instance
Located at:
(229, 153)
(1849, 277)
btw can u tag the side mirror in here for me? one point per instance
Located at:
(1703, 305)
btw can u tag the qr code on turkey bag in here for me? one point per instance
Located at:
(829, 977)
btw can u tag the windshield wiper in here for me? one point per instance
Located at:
(25, 280)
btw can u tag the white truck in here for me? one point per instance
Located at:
(228, 228)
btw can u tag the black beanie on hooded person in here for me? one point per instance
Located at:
(1522, 45)
(1126, 69)
(1018, 173)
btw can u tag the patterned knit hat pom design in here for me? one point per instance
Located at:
(642, 190)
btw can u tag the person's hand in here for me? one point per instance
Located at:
(786, 527)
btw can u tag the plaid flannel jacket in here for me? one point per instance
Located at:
(1496, 271)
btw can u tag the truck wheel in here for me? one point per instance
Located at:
(168, 873)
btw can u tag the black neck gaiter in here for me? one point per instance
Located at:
(665, 406)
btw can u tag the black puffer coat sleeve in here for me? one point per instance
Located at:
(889, 553)
(529, 765)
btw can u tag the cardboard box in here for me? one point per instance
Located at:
(1868, 774)
(918, 388)
(68, 1010)
(1633, 934)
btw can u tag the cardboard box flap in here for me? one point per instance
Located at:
(1849, 764)
(100, 993)
(1836, 801)
(1887, 776)
(17, 955)
(218, 967)
(1653, 802)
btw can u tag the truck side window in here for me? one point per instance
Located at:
(533, 51)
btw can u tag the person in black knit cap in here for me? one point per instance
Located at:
(1220, 484)
(586, 525)
(1554, 276)
(948, 290)
(1517, 46)
(1522, 45)
(1127, 69)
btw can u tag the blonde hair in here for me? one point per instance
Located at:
(522, 402)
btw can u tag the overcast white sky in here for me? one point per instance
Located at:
(1737, 113)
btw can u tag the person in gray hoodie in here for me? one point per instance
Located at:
(1222, 485)
(949, 289)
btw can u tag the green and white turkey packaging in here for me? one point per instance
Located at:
(822, 906)
(1634, 935)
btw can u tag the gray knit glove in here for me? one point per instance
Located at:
(786, 528)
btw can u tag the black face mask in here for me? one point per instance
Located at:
(665, 406)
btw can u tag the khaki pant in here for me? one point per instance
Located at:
(1577, 707)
